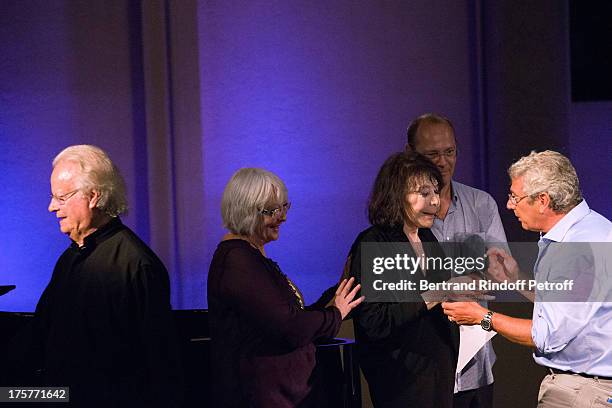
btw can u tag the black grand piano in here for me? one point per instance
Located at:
(338, 385)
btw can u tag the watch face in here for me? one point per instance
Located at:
(486, 324)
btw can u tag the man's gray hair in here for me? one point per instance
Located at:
(552, 173)
(249, 191)
(97, 173)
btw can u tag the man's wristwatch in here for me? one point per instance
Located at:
(485, 323)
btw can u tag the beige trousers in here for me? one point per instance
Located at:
(574, 391)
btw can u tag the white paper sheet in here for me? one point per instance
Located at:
(472, 338)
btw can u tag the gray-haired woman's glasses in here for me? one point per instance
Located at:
(273, 212)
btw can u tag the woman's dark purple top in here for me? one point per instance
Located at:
(262, 340)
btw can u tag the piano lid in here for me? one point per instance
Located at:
(6, 289)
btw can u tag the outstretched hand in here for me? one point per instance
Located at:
(344, 297)
(502, 266)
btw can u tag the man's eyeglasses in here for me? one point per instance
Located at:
(434, 155)
(514, 199)
(273, 212)
(61, 200)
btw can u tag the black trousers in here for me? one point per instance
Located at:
(478, 398)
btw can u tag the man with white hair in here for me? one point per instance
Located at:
(104, 321)
(572, 339)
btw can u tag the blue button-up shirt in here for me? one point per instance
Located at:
(574, 336)
(472, 211)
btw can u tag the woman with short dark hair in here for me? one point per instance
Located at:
(407, 349)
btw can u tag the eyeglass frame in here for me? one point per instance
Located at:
(515, 200)
(63, 199)
(273, 212)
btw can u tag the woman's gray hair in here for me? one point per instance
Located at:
(552, 173)
(97, 173)
(249, 191)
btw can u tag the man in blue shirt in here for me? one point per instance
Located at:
(573, 338)
(464, 211)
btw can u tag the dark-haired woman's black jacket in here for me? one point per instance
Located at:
(408, 354)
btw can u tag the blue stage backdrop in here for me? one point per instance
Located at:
(318, 92)
(321, 95)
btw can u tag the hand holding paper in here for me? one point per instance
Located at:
(468, 313)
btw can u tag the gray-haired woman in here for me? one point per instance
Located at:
(262, 335)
